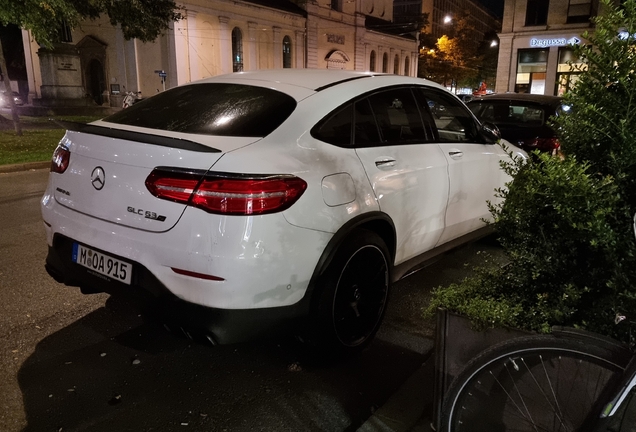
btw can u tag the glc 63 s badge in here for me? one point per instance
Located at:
(147, 214)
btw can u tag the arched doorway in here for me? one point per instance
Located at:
(95, 81)
(93, 59)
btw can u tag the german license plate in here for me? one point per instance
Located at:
(102, 264)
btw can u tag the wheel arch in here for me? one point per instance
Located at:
(376, 221)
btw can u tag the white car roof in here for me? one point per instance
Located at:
(311, 79)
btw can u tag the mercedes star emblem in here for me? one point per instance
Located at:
(98, 178)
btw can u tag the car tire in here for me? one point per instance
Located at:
(353, 294)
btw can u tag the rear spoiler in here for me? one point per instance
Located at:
(141, 137)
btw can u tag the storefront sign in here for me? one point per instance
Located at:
(543, 43)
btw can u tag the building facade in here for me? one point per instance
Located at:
(535, 44)
(97, 65)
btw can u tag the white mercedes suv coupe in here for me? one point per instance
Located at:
(259, 199)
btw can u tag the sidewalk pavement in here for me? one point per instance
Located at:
(410, 408)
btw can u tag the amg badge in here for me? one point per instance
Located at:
(147, 214)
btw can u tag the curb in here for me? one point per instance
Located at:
(407, 408)
(24, 166)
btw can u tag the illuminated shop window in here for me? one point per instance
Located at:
(531, 70)
(568, 71)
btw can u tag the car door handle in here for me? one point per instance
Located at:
(455, 154)
(385, 162)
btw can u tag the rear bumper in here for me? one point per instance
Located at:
(153, 298)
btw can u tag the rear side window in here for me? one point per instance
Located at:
(336, 129)
(387, 117)
(453, 121)
(211, 109)
(509, 113)
(397, 117)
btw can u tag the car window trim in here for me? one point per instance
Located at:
(365, 95)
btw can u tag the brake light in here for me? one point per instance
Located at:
(544, 144)
(60, 160)
(228, 194)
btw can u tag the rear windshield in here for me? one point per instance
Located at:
(510, 112)
(211, 109)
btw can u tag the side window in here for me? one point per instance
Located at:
(396, 115)
(335, 129)
(366, 130)
(453, 121)
(495, 111)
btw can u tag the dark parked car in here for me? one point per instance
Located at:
(522, 118)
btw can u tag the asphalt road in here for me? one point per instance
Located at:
(71, 362)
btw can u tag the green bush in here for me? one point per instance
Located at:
(566, 223)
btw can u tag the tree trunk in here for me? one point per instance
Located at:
(9, 93)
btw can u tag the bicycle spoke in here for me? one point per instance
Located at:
(532, 388)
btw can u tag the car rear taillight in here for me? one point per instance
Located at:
(228, 194)
(544, 144)
(60, 160)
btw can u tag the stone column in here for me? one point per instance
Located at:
(278, 48)
(551, 71)
(194, 45)
(360, 54)
(299, 58)
(505, 70)
(32, 63)
(312, 44)
(391, 63)
(225, 45)
(179, 65)
(414, 61)
(252, 40)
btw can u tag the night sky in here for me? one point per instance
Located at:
(495, 6)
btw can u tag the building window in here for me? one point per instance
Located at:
(537, 12)
(65, 32)
(237, 50)
(287, 58)
(407, 66)
(385, 63)
(531, 69)
(579, 11)
(372, 61)
(568, 71)
(396, 65)
(336, 5)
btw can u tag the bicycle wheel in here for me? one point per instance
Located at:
(535, 383)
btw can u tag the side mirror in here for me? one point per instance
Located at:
(490, 133)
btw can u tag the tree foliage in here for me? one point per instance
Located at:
(454, 57)
(566, 223)
(141, 19)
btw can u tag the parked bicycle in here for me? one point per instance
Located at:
(131, 98)
(571, 380)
